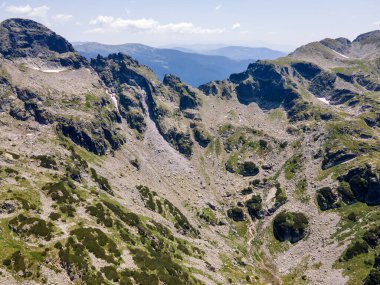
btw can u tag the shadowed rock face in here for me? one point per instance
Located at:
(326, 199)
(264, 84)
(92, 137)
(365, 184)
(21, 38)
(188, 99)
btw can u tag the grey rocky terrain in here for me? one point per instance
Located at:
(110, 176)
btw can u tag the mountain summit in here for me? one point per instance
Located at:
(26, 39)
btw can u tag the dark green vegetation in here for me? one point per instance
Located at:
(356, 249)
(236, 214)
(280, 194)
(293, 167)
(290, 226)
(167, 210)
(370, 239)
(154, 250)
(101, 181)
(201, 135)
(248, 168)
(64, 193)
(17, 263)
(31, 226)
(254, 206)
(47, 161)
(364, 184)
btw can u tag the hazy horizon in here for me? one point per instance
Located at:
(179, 23)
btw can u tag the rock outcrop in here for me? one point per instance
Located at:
(27, 39)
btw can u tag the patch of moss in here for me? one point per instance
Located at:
(300, 192)
(292, 167)
(208, 216)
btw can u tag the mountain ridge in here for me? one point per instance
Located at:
(194, 68)
(109, 175)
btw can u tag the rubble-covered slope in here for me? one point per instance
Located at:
(109, 176)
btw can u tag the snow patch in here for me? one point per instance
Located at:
(324, 100)
(342, 55)
(114, 99)
(49, 70)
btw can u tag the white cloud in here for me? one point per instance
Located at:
(377, 23)
(29, 11)
(243, 32)
(3, 5)
(107, 23)
(219, 7)
(63, 18)
(236, 26)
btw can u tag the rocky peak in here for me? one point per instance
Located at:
(369, 38)
(21, 38)
(171, 80)
(188, 98)
(340, 45)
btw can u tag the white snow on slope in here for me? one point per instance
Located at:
(48, 70)
(342, 55)
(324, 100)
(113, 98)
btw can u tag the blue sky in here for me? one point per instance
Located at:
(275, 23)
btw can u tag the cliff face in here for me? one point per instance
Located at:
(110, 176)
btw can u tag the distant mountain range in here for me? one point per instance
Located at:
(243, 53)
(193, 67)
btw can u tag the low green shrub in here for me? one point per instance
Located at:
(47, 161)
(345, 192)
(372, 237)
(373, 277)
(248, 168)
(101, 181)
(280, 195)
(54, 216)
(291, 226)
(246, 191)
(101, 214)
(27, 226)
(357, 248)
(236, 214)
(111, 273)
(254, 206)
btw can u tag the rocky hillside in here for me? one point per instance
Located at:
(110, 176)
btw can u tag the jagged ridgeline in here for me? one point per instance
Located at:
(109, 176)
